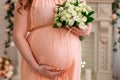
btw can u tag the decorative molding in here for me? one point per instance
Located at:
(104, 11)
(104, 30)
(95, 8)
(100, 1)
(103, 43)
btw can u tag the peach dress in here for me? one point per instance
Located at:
(51, 46)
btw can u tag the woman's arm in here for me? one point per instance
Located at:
(19, 34)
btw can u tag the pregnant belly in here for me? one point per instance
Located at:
(52, 47)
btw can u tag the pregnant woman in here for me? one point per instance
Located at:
(47, 54)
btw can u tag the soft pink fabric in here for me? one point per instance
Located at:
(51, 46)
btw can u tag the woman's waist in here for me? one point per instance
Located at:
(35, 27)
(49, 30)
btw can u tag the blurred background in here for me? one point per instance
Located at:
(100, 51)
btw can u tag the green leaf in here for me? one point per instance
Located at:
(89, 19)
(76, 3)
(55, 26)
(57, 20)
(64, 23)
(84, 13)
(76, 23)
(118, 14)
(114, 22)
(90, 13)
(81, 38)
(63, 5)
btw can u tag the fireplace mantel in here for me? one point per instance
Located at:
(103, 38)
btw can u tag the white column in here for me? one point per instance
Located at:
(103, 11)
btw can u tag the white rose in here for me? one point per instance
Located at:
(63, 18)
(60, 13)
(68, 15)
(71, 6)
(84, 19)
(80, 20)
(56, 14)
(77, 8)
(56, 9)
(81, 4)
(81, 9)
(71, 22)
(88, 8)
(84, 10)
(67, 19)
(9, 74)
(59, 24)
(61, 9)
(80, 14)
(70, 10)
(74, 13)
(64, 12)
(82, 25)
(76, 18)
(73, 1)
(67, 4)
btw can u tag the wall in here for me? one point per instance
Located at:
(3, 24)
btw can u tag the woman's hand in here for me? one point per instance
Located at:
(49, 71)
(75, 30)
(80, 32)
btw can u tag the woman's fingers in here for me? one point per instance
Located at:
(51, 71)
(68, 28)
(76, 31)
(45, 67)
(80, 32)
(53, 74)
(50, 68)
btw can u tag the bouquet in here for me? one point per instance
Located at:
(73, 14)
(6, 67)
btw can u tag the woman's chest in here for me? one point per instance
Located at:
(45, 5)
(44, 8)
